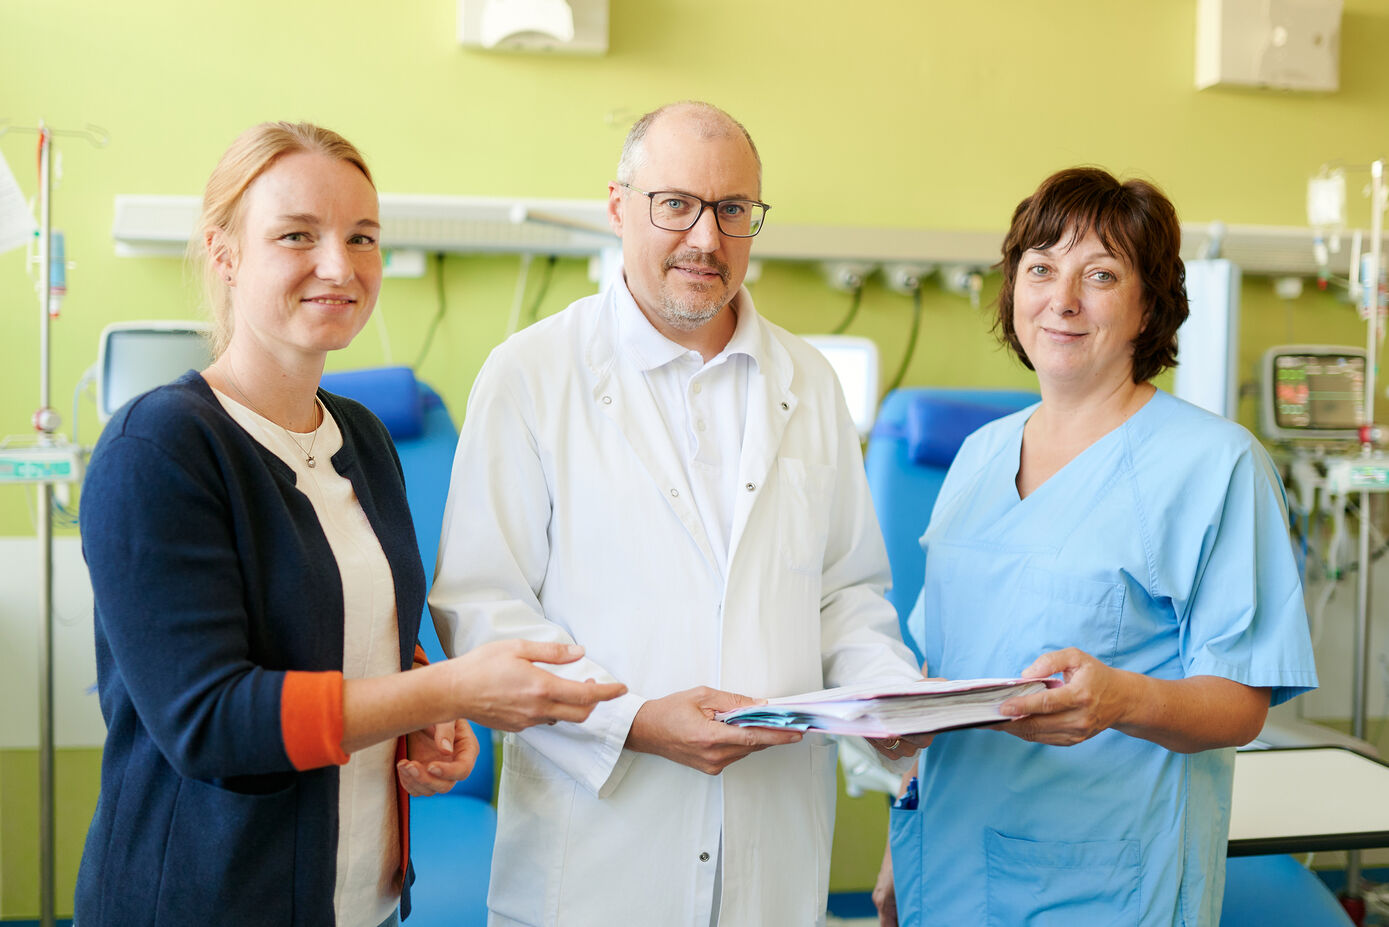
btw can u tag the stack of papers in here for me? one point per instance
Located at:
(875, 710)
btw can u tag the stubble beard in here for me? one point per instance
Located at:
(690, 312)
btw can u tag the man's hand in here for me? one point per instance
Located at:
(681, 728)
(437, 758)
(498, 685)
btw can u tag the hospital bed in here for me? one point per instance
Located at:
(451, 835)
(916, 436)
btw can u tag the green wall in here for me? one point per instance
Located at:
(915, 113)
(77, 775)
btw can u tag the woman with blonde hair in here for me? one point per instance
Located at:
(258, 592)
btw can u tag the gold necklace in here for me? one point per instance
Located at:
(308, 454)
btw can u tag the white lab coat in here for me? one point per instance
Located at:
(570, 518)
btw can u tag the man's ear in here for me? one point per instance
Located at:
(615, 208)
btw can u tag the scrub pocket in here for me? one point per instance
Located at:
(1073, 612)
(1056, 884)
(904, 837)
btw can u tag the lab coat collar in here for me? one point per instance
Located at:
(649, 349)
(771, 403)
(620, 314)
(748, 334)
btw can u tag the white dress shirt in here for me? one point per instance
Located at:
(705, 407)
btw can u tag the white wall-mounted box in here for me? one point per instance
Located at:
(1285, 44)
(571, 27)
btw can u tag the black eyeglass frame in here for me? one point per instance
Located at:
(703, 205)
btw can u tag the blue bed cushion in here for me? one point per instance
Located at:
(390, 392)
(935, 428)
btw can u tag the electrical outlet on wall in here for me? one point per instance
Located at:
(398, 262)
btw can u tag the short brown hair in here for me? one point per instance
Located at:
(1132, 219)
(246, 159)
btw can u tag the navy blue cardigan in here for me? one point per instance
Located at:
(213, 580)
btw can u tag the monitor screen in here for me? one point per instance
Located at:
(138, 356)
(855, 361)
(1313, 391)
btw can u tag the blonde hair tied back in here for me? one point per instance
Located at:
(249, 156)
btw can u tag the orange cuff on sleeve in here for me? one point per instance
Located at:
(420, 658)
(311, 719)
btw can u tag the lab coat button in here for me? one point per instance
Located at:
(750, 487)
(695, 389)
(704, 857)
(785, 407)
(675, 493)
(607, 400)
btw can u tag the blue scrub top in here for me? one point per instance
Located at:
(1161, 549)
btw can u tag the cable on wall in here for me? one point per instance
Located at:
(441, 307)
(911, 341)
(543, 289)
(855, 300)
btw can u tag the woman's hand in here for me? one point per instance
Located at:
(899, 747)
(498, 685)
(437, 758)
(1183, 715)
(895, 748)
(1094, 698)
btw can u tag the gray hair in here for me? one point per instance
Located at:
(711, 122)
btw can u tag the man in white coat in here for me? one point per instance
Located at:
(663, 476)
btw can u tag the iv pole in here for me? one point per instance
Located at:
(46, 422)
(1360, 661)
(1370, 284)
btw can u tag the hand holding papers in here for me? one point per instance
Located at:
(896, 710)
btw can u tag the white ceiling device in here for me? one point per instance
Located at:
(576, 27)
(1284, 44)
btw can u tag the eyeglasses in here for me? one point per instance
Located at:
(678, 212)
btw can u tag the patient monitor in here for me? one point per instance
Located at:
(137, 356)
(855, 362)
(1313, 392)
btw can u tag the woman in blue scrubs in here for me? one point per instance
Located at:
(1126, 540)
